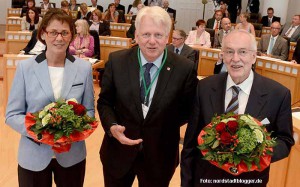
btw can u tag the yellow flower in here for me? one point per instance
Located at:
(42, 114)
(259, 135)
(49, 106)
(72, 99)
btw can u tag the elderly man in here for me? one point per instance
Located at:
(226, 28)
(215, 22)
(146, 96)
(171, 11)
(178, 46)
(273, 45)
(255, 95)
(270, 18)
(292, 30)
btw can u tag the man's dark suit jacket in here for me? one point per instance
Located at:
(210, 23)
(296, 55)
(119, 102)
(186, 51)
(99, 7)
(267, 99)
(172, 11)
(254, 6)
(121, 7)
(265, 20)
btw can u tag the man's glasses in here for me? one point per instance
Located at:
(241, 52)
(275, 28)
(54, 34)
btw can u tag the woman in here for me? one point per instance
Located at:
(29, 4)
(111, 14)
(73, 5)
(31, 21)
(39, 81)
(84, 13)
(65, 7)
(133, 10)
(245, 24)
(83, 44)
(101, 26)
(199, 36)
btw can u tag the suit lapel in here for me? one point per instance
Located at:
(217, 97)
(42, 73)
(276, 45)
(133, 74)
(257, 98)
(70, 72)
(162, 83)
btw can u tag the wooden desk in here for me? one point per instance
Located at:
(110, 44)
(266, 30)
(13, 23)
(119, 29)
(292, 50)
(128, 18)
(16, 41)
(281, 71)
(14, 12)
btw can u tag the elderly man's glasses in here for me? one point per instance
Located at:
(241, 52)
(54, 34)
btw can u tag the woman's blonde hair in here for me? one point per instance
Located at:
(85, 26)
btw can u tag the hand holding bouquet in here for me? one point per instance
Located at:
(236, 143)
(59, 124)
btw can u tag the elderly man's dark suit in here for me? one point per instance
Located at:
(186, 51)
(267, 99)
(119, 102)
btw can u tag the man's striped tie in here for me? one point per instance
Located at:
(233, 105)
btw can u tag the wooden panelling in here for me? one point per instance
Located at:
(13, 23)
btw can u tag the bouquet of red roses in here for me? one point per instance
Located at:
(59, 124)
(236, 143)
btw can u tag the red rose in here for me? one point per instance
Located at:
(72, 103)
(225, 138)
(221, 127)
(79, 110)
(232, 126)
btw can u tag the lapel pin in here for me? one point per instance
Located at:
(168, 68)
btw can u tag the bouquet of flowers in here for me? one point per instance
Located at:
(59, 124)
(236, 143)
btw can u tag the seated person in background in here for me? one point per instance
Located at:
(84, 13)
(95, 6)
(34, 46)
(171, 11)
(199, 36)
(133, 10)
(296, 55)
(292, 30)
(153, 3)
(223, 8)
(219, 65)
(83, 44)
(178, 46)
(65, 7)
(111, 14)
(215, 22)
(226, 28)
(273, 45)
(31, 20)
(270, 18)
(119, 6)
(101, 26)
(29, 4)
(131, 30)
(245, 24)
(46, 5)
(73, 5)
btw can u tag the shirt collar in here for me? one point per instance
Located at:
(157, 62)
(41, 57)
(244, 86)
